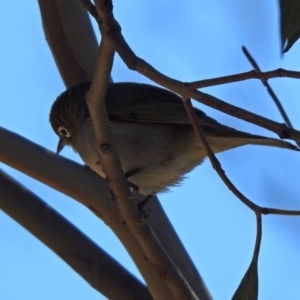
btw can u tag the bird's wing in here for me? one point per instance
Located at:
(133, 102)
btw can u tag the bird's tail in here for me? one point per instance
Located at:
(264, 141)
(237, 138)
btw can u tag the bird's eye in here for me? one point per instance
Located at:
(64, 132)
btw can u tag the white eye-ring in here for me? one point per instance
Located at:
(63, 131)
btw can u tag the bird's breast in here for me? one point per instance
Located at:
(162, 153)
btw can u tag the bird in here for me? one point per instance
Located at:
(155, 140)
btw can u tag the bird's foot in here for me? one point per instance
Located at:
(134, 189)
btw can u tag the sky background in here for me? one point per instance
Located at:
(189, 40)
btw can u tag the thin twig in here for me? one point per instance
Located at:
(133, 62)
(214, 161)
(258, 236)
(266, 84)
(253, 74)
(217, 166)
(269, 89)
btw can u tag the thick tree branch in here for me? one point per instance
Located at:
(81, 184)
(97, 267)
(71, 38)
(168, 237)
(88, 188)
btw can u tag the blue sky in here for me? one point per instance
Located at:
(188, 41)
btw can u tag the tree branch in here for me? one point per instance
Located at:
(173, 244)
(81, 184)
(133, 62)
(218, 168)
(97, 267)
(70, 35)
(111, 165)
(253, 74)
(269, 89)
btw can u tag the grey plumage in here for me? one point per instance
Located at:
(152, 132)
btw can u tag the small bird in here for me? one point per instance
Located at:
(156, 143)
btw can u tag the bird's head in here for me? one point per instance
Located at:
(68, 113)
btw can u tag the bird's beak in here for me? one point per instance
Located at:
(61, 144)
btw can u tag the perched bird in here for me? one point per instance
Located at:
(155, 140)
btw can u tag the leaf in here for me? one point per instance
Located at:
(289, 23)
(248, 288)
